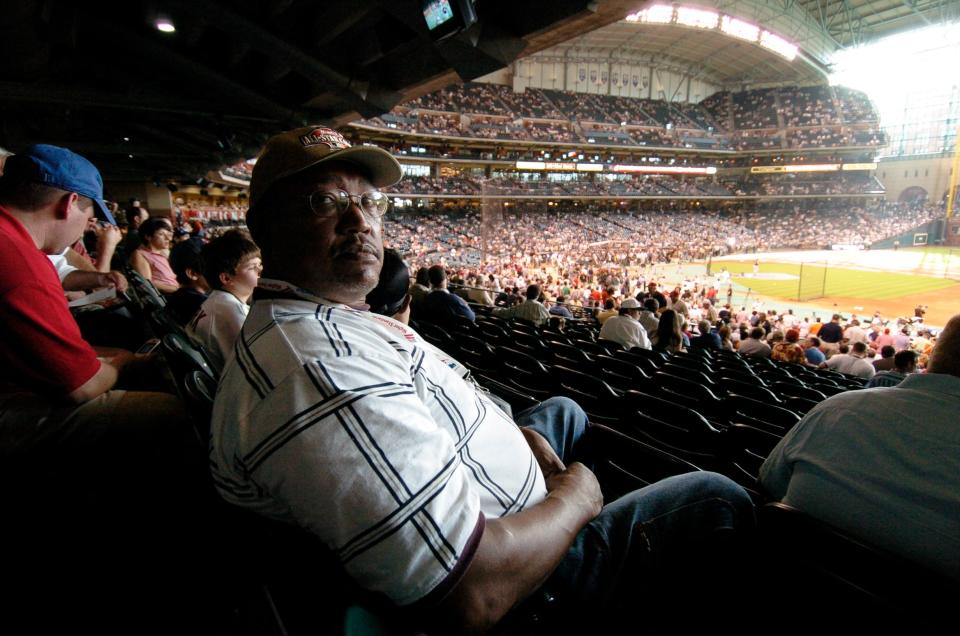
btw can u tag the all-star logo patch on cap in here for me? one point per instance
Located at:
(296, 150)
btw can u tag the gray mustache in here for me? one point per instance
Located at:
(359, 247)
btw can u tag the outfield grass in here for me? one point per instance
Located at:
(935, 249)
(849, 283)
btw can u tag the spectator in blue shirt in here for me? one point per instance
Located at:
(558, 309)
(813, 353)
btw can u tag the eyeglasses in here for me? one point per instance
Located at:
(373, 204)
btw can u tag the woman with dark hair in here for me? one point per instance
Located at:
(668, 338)
(151, 259)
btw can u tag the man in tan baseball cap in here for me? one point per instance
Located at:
(302, 194)
(296, 150)
(349, 424)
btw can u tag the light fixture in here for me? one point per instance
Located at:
(164, 25)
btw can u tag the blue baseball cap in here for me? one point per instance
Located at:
(62, 169)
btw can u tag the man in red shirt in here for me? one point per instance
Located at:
(92, 471)
(47, 370)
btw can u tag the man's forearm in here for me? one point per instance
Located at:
(102, 381)
(517, 553)
(80, 280)
(105, 257)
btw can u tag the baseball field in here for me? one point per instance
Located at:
(890, 281)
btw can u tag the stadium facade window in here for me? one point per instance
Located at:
(915, 91)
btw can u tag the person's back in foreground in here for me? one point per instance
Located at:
(350, 425)
(882, 463)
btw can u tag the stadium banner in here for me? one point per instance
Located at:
(859, 166)
(920, 238)
(813, 167)
(582, 74)
(558, 166)
(664, 169)
(531, 165)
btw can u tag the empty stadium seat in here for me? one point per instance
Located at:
(687, 372)
(689, 392)
(623, 464)
(184, 357)
(646, 364)
(570, 354)
(748, 389)
(594, 396)
(741, 375)
(438, 337)
(767, 415)
(690, 362)
(784, 389)
(664, 410)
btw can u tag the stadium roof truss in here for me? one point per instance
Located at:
(853, 22)
(817, 27)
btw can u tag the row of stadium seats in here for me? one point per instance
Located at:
(718, 410)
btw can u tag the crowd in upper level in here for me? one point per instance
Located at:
(793, 117)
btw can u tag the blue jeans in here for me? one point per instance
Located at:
(667, 532)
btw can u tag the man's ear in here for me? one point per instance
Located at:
(62, 208)
(225, 279)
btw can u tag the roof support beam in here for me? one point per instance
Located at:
(367, 98)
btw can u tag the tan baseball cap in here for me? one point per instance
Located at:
(296, 150)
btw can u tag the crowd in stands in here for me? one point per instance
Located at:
(808, 226)
(240, 170)
(807, 183)
(792, 159)
(602, 236)
(785, 184)
(757, 140)
(813, 106)
(795, 106)
(755, 109)
(817, 116)
(211, 211)
(855, 106)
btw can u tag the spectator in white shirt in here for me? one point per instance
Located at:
(625, 328)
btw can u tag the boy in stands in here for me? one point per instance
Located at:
(232, 266)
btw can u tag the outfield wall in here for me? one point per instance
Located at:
(927, 234)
